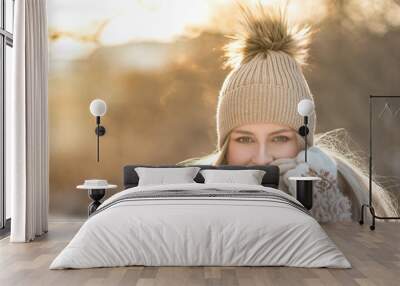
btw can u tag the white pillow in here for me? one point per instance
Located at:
(249, 177)
(161, 176)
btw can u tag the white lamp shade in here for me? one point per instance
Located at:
(98, 107)
(305, 107)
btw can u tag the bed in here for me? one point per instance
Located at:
(201, 224)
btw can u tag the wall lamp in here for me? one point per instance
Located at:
(305, 108)
(98, 108)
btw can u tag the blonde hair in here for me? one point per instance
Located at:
(352, 164)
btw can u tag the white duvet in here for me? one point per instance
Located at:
(200, 231)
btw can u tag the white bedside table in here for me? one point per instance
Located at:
(96, 193)
(304, 190)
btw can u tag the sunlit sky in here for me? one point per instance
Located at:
(82, 26)
(78, 27)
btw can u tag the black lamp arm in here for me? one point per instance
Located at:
(303, 131)
(305, 138)
(100, 131)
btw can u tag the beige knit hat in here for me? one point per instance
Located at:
(266, 82)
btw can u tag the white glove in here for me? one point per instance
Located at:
(329, 203)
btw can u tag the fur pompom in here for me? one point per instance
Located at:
(263, 30)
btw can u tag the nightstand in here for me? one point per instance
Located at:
(96, 192)
(304, 190)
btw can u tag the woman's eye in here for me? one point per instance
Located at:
(280, 139)
(244, 140)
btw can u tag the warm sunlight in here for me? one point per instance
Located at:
(199, 142)
(154, 20)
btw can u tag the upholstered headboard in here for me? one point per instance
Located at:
(270, 179)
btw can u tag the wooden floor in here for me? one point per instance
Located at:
(375, 257)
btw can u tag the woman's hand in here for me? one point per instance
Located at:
(284, 164)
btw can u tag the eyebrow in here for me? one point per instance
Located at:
(272, 133)
(243, 132)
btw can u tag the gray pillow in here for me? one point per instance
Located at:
(248, 177)
(161, 176)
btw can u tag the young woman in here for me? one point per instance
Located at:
(257, 119)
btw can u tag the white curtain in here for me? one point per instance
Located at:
(27, 161)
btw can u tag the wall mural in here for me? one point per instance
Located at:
(161, 65)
